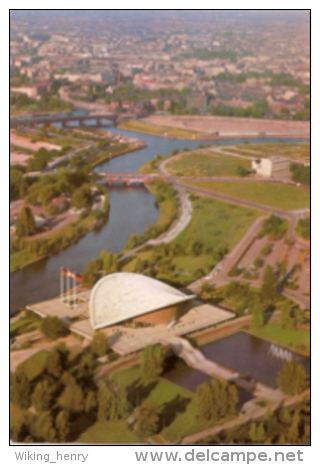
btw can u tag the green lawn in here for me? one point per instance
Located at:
(179, 413)
(110, 432)
(35, 364)
(282, 196)
(297, 151)
(23, 326)
(20, 259)
(215, 225)
(288, 337)
(205, 164)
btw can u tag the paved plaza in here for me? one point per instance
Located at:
(124, 339)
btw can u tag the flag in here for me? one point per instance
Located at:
(64, 272)
(70, 274)
(77, 277)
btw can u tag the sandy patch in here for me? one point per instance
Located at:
(27, 144)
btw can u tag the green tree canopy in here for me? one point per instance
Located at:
(216, 399)
(25, 224)
(81, 197)
(72, 399)
(291, 378)
(151, 362)
(99, 345)
(148, 419)
(42, 396)
(269, 285)
(52, 328)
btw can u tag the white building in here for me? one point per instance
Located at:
(273, 167)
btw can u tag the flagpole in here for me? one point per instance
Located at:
(68, 285)
(74, 291)
(61, 285)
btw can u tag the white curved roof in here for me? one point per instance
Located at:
(121, 296)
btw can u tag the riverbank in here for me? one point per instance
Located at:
(110, 155)
(219, 127)
(59, 240)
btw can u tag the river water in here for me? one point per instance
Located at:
(131, 209)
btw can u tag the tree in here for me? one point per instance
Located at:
(257, 433)
(148, 419)
(293, 431)
(20, 428)
(216, 399)
(91, 402)
(62, 426)
(43, 429)
(204, 400)
(291, 378)
(274, 227)
(25, 224)
(285, 318)
(20, 389)
(151, 362)
(42, 396)
(81, 197)
(55, 363)
(258, 262)
(241, 171)
(99, 345)
(298, 316)
(234, 271)
(112, 405)
(257, 317)
(72, 398)
(269, 285)
(52, 328)
(105, 403)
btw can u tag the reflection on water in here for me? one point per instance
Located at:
(190, 379)
(249, 356)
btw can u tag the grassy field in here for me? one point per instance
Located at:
(111, 432)
(289, 337)
(23, 326)
(156, 130)
(215, 225)
(34, 365)
(179, 413)
(21, 259)
(296, 151)
(285, 197)
(205, 164)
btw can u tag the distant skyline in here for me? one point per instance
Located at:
(191, 15)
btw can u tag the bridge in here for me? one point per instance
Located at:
(128, 178)
(98, 118)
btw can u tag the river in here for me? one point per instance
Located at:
(131, 209)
